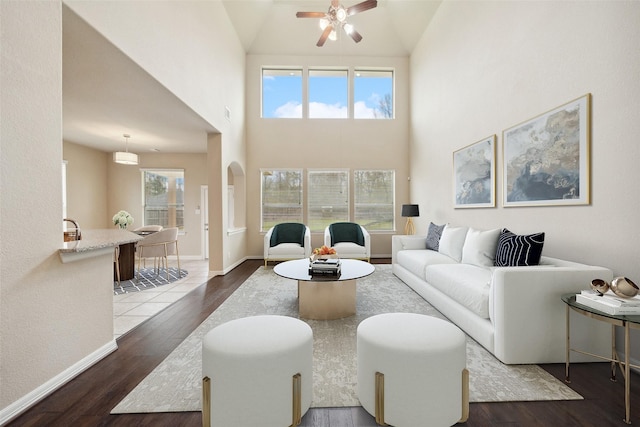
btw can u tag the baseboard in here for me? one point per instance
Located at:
(30, 399)
(229, 268)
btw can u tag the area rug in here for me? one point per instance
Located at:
(149, 278)
(175, 385)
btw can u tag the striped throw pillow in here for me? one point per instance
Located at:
(518, 250)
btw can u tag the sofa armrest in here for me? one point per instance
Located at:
(525, 308)
(267, 242)
(307, 242)
(400, 242)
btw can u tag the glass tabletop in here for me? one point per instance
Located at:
(570, 299)
(298, 269)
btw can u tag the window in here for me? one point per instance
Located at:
(281, 93)
(373, 94)
(374, 199)
(281, 197)
(328, 196)
(328, 94)
(163, 197)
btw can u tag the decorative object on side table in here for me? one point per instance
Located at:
(409, 211)
(618, 298)
(122, 219)
(600, 286)
(624, 287)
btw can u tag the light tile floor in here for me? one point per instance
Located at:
(129, 310)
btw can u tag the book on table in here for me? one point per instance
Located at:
(609, 303)
(325, 266)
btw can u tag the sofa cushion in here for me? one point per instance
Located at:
(480, 247)
(433, 236)
(286, 249)
(467, 284)
(452, 241)
(518, 250)
(416, 260)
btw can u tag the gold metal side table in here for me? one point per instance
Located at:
(626, 322)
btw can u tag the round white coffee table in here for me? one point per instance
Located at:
(324, 297)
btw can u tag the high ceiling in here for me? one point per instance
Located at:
(105, 94)
(270, 27)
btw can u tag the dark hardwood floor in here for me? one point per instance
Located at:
(88, 399)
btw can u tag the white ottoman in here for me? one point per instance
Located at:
(257, 371)
(412, 370)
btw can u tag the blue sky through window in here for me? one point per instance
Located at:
(282, 94)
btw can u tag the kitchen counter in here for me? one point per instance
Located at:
(96, 242)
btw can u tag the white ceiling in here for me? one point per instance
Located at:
(105, 94)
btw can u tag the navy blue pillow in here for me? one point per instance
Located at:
(433, 236)
(518, 250)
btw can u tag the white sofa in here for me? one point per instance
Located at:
(514, 312)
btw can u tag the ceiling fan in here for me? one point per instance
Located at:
(336, 18)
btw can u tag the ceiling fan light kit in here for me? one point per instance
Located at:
(335, 18)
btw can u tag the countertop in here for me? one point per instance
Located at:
(96, 241)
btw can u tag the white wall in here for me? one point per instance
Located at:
(325, 143)
(484, 66)
(191, 48)
(87, 185)
(53, 315)
(128, 197)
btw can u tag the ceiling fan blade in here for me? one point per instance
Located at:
(361, 7)
(324, 36)
(354, 35)
(310, 15)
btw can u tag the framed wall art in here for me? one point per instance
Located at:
(474, 174)
(546, 159)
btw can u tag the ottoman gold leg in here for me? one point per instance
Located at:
(380, 399)
(206, 402)
(297, 400)
(465, 396)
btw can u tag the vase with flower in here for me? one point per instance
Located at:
(122, 219)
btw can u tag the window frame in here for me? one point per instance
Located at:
(391, 205)
(305, 96)
(312, 221)
(329, 105)
(143, 172)
(392, 101)
(264, 228)
(283, 71)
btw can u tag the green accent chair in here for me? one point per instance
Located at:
(287, 240)
(350, 240)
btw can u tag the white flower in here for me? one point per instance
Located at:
(122, 219)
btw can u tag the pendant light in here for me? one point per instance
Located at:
(125, 157)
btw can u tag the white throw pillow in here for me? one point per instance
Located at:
(480, 247)
(452, 241)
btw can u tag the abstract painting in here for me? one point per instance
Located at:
(474, 174)
(546, 159)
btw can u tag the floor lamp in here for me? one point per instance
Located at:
(409, 211)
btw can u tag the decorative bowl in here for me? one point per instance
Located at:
(624, 287)
(315, 257)
(600, 286)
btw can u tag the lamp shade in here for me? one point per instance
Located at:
(410, 210)
(125, 158)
